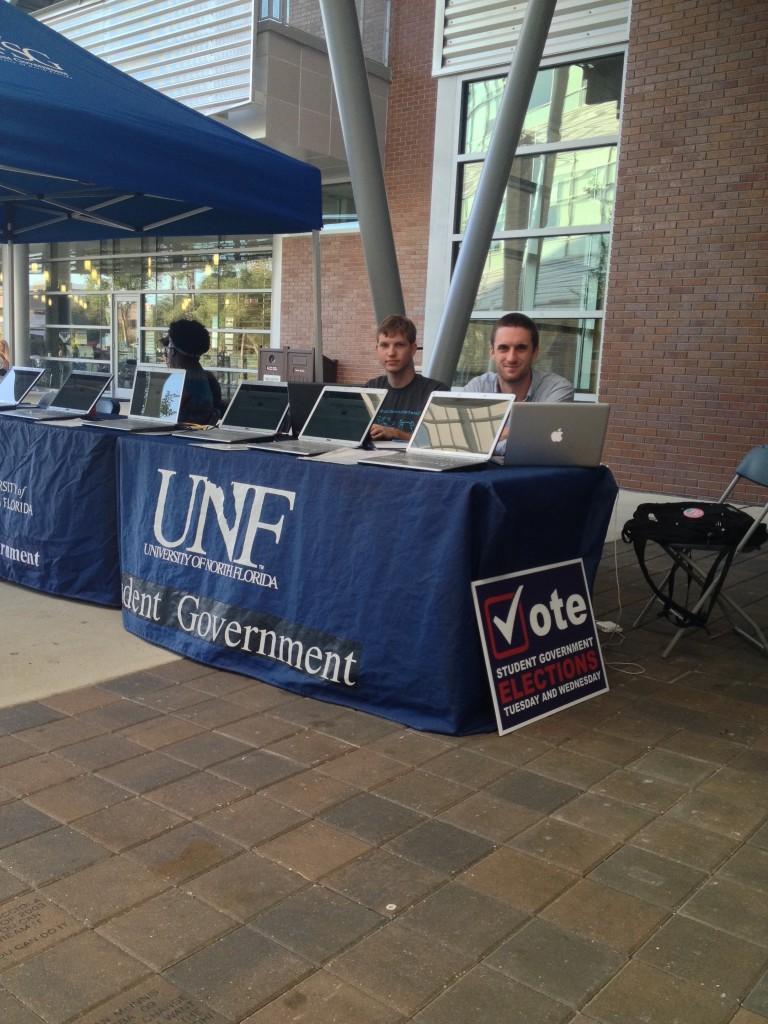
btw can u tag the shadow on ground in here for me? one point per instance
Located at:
(182, 846)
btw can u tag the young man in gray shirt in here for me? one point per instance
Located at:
(514, 350)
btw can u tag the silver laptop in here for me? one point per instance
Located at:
(76, 397)
(155, 401)
(556, 434)
(456, 430)
(341, 418)
(16, 384)
(258, 411)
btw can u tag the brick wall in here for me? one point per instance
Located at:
(348, 317)
(305, 15)
(685, 361)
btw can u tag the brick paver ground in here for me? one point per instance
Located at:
(192, 847)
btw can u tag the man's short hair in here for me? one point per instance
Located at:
(396, 324)
(517, 320)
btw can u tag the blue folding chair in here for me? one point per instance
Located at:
(712, 576)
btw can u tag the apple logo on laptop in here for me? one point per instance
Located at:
(557, 435)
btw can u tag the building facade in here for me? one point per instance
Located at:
(633, 227)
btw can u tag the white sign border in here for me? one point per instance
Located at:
(489, 670)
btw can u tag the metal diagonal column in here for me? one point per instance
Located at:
(350, 80)
(490, 190)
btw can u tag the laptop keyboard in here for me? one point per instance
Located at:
(46, 414)
(302, 445)
(429, 460)
(225, 435)
(130, 424)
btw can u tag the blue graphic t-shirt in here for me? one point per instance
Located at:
(402, 407)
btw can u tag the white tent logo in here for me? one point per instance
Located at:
(29, 57)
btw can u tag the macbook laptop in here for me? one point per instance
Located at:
(556, 434)
(456, 430)
(257, 411)
(155, 401)
(302, 395)
(76, 397)
(16, 384)
(341, 418)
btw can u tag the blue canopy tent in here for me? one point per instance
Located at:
(87, 152)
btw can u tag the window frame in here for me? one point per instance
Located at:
(453, 238)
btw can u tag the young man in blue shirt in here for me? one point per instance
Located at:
(407, 391)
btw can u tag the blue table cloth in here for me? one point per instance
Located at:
(350, 584)
(58, 510)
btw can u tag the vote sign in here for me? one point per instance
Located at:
(540, 642)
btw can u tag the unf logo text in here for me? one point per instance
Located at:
(257, 510)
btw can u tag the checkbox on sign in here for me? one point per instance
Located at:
(505, 624)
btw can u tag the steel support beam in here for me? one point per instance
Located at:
(350, 80)
(490, 190)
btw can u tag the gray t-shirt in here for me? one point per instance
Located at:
(545, 387)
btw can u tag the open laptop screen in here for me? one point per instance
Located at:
(343, 415)
(80, 391)
(16, 383)
(452, 424)
(257, 406)
(157, 394)
(302, 395)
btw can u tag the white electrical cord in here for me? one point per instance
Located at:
(614, 630)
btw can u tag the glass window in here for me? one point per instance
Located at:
(572, 101)
(239, 348)
(568, 347)
(558, 206)
(215, 280)
(564, 272)
(245, 270)
(175, 273)
(482, 101)
(338, 204)
(160, 309)
(572, 188)
(90, 309)
(205, 243)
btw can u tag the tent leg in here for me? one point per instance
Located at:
(20, 262)
(318, 306)
(8, 296)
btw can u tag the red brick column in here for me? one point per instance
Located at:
(685, 359)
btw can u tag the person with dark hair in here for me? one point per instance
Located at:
(407, 391)
(514, 350)
(201, 400)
